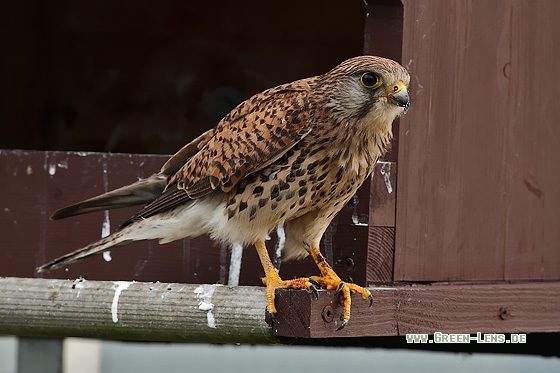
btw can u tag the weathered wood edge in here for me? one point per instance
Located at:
(220, 314)
(453, 308)
(125, 310)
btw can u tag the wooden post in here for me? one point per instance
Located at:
(133, 311)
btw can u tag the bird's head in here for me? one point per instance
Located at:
(366, 89)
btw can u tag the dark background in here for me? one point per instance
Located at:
(141, 77)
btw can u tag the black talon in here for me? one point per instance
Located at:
(370, 300)
(342, 325)
(271, 315)
(314, 282)
(340, 287)
(313, 288)
(272, 318)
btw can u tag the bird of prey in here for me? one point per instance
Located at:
(292, 155)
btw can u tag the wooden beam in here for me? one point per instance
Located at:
(468, 308)
(220, 314)
(133, 311)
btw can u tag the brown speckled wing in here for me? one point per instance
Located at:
(252, 136)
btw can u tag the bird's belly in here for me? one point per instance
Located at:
(252, 210)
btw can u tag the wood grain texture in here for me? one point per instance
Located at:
(38, 183)
(381, 233)
(383, 195)
(532, 242)
(490, 308)
(381, 251)
(385, 18)
(477, 145)
(136, 311)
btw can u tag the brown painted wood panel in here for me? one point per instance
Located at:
(532, 245)
(472, 308)
(381, 237)
(451, 201)
(383, 37)
(381, 255)
(34, 184)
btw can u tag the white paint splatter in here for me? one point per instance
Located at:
(105, 231)
(235, 264)
(106, 226)
(78, 284)
(356, 220)
(63, 164)
(52, 169)
(281, 233)
(204, 295)
(386, 172)
(355, 217)
(119, 286)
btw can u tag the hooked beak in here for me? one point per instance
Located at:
(398, 95)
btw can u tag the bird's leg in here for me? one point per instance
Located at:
(273, 281)
(330, 280)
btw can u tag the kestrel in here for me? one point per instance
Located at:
(292, 155)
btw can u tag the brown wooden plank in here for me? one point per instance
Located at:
(37, 183)
(383, 37)
(383, 195)
(532, 242)
(451, 205)
(381, 251)
(381, 238)
(489, 308)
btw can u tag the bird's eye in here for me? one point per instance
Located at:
(370, 80)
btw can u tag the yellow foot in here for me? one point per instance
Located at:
(331, 281)
(328, 280)
(273, 282)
